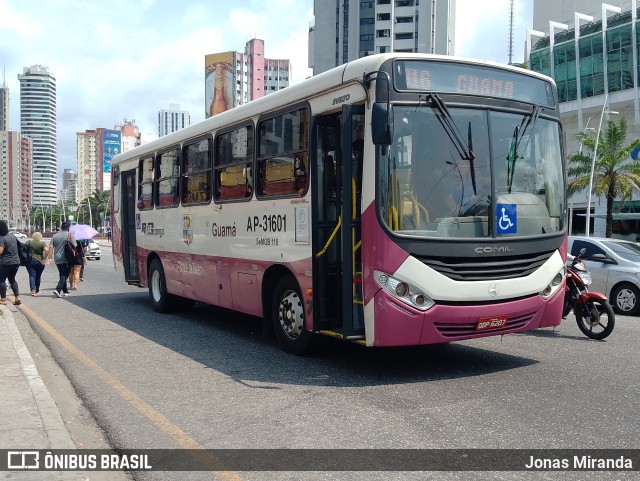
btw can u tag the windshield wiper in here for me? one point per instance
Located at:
(518, 135)
(464, 148)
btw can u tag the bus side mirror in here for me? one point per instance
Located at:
(381, 125)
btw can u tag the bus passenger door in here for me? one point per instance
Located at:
(128, 209)
(336, 229)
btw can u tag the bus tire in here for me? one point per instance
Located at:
(287, 314)
(161, 300)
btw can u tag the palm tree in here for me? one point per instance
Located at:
(615, 175)
(99, 204)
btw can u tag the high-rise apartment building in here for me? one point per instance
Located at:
(172, 120)
(130, 135)
(87, 157)
(38, 121)
(4, 106)
(345, 30)
(15, 177)
(235, 78)
(95, 152)
(69, 186)
(592, 50)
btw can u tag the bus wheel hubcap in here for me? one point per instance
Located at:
(155, 285)
(291, 315)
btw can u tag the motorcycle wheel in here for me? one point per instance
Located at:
(595, 319)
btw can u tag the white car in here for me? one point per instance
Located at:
(20, 236)
(93, 251)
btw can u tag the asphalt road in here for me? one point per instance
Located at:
(207, 378)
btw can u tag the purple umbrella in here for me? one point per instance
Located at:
(82, 231)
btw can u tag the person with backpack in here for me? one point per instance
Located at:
(39, 253)
(9, 264)
(62, 251)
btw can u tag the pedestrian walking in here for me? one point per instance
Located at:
(76, 265)
(9, 264)
(58, 251)
(39, 254)
(85, 250)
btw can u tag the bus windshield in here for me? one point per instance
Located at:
(436, 179)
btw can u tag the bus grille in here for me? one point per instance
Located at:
(484, 269)
(469, 328)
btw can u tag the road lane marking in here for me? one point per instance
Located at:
(156, 417)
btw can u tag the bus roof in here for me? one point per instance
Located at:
(349, 72)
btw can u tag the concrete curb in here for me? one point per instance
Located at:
(54, 427)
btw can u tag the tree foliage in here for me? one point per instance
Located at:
(615, 175)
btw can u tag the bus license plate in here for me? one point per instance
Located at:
(491, 322)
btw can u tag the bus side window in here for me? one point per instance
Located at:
(233, 160)
(167, 176)
(283, 162)
(196, 187)
(145, 188)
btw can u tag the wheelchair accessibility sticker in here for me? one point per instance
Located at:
(506, 218)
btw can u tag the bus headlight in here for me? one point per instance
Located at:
(555, 282)
(403, 291)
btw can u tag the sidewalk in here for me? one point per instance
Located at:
(31, 417)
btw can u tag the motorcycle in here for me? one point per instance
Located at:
(593, 312)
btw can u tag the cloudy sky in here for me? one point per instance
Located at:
(124, 59)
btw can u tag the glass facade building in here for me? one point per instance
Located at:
(594, 66)
(38, 121)
(595, 54)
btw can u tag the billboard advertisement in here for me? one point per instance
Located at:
(111, 146)
(218, 80)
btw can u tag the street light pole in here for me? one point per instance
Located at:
(90, 218)
(593, 164)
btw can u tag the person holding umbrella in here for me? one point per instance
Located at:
(76, 264)
(57, 253)
(84, 233)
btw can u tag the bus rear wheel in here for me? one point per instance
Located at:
(287, 314)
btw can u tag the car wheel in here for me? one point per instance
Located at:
(625, 299)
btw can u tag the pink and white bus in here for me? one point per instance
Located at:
(399, 199)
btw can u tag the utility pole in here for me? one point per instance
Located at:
(510, 51)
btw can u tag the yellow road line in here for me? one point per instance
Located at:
(183, 439)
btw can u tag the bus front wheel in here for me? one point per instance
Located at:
(289, 318)
(160, 298)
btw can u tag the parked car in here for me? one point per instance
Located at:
(615, 269)
(20, 236)
(93, 251)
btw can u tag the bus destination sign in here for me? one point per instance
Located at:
(471, 80)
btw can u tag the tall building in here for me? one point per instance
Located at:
(345, 30)
(87, 157)
(4, 105)
(69, 186)
(95, 152)
(597, 79)
(15, 177)
(172, 120)
(235, 78)
(129, 134)
(38, 121)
